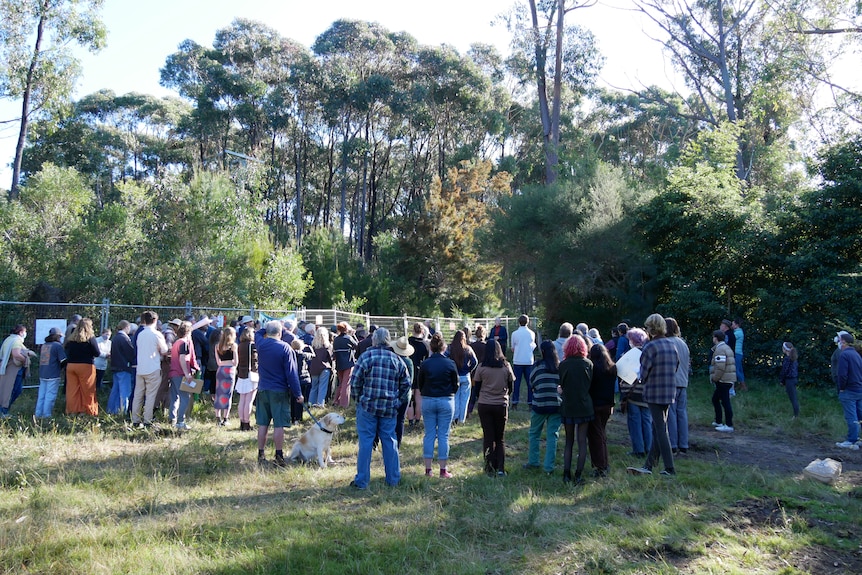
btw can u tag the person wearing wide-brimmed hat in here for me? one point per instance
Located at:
(404, 350)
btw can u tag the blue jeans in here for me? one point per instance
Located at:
(851, 401)
(319, 387)
(48, 389)
(524, 370)
(740, 377)
(790, 388)
(537, 422)
(437, 414)
(677, 420)
(179, 402)
(640, 427)
(462, 398)
(121, 391)
(367, 428)
(18, 388)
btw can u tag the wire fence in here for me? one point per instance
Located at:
(108, 314)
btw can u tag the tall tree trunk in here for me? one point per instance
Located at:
(25, 103)
(541, 50)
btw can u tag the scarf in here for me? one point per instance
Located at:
(6, 350)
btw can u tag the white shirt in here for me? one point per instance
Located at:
(151, 346)
(101, 362)
(523, 344)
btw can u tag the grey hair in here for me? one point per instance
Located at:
(273, 327)
(566, 330)
(289, 324)
(380, 337)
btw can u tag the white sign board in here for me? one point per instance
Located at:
(43, 327)
(629, 365)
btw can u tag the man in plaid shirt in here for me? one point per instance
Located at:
(659, 362)
(380, 383)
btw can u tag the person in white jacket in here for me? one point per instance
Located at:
(523, 342)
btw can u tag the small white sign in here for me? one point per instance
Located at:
(43, 327)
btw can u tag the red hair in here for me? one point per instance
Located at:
(575, 347)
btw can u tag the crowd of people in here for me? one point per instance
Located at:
(282, 368)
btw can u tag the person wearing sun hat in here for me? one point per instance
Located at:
(850, 388)
(404, 350)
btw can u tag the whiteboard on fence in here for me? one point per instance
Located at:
(43, 328)
(629, 365)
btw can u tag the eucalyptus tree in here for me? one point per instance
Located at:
(36, 61)
(553, 55)
(743, 66)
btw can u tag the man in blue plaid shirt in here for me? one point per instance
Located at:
(380, 383)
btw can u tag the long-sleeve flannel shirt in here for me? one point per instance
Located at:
(380, 382)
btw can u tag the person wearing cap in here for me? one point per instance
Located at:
(245, 322)
(365, 342)
(51, 359)
(380, 383)
(850, 389)
(343, 350)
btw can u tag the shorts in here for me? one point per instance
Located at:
(576, 420)
(273, 406)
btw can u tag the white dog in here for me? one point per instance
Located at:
(316, 442)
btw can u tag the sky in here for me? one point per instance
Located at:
(142, 34)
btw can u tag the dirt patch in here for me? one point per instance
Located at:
(824, 561)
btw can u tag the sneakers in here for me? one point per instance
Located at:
(182, 427)
(848, 445)
(714, 424)
(638, 471)
(668, 472)
(724, 429)
(444, 473)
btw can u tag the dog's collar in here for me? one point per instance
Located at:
(323, 429)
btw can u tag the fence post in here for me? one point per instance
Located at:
(106, 315)
(189, 308)
(252, 311)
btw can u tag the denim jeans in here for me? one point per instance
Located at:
(462, 398)
(851, 401)
(640, 427)
(179, 402)
(677, 420)
(537, 422)
(121, 391)
(740, 377)
(437, 414)
(48, 389)
(18, 389)
(524, 370)
(367, 428)
(319, 388)
(790, 388)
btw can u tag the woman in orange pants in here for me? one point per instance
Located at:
(81, 348)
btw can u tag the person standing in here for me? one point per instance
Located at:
(438, 383)
(403, 350)
(226, 356)
(343, 350)
(739, 338)
(576, 410)
(659, 364)
(464, 358)
(494, 383)
(523, 344)
(14, 359)
(101, 362)
(850, 389)
(638, 418)
(789, 377)
(182, 369)
(499, 334)
(52, 357)
(566, 330)
(151, 347)
(545, 383)
(123, 359)
(380, 384)
(421, 352)
(602, 393)
(677, 416)
(246, 377)
(81, 349)
(723, 376)
(279, 379)
(320, 368)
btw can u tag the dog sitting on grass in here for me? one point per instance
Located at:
(316, 443)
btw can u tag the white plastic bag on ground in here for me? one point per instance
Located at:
(823, 470)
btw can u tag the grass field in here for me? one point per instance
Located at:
(86, 499)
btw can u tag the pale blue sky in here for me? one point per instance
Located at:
(142, 34)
